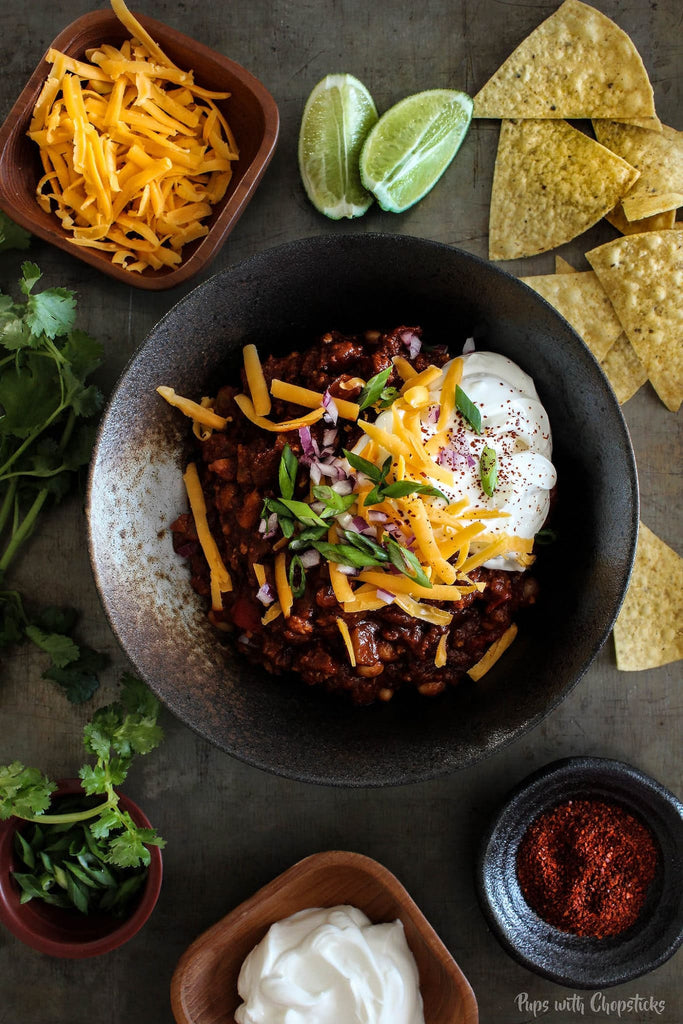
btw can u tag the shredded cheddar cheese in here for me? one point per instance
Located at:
(312, 399)
(220, 577)
(346, 637)
(257, 382)
(198, 413)
(284, 591)
(493, 654)
(135, 155)
(247, 407)
(441, 655)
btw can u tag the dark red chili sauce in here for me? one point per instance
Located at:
(585, 867)
(239, 468)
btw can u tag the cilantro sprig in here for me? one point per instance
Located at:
(46, 435)
(93, 857)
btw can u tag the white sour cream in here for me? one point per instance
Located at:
(330, 966)
(515, 424)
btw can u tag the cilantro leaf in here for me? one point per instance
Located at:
(29, 394)
(23, 791)
(79, 678)
(11, 235)
(51, 312)
(61, 649)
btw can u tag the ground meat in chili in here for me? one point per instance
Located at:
(239, 468)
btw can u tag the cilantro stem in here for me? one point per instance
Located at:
(7, 504)
(31, 438)
(23, 530)
(65, 819)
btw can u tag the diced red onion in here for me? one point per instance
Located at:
(385, 596)
(343, 486)
(347, 570)
(318, 507)
(310, 558)
(359, 524)
(412, 342)
(330, 438)
(315, 472)
(330, 407)
(306, 441)
(377, 517)
(468, 346)
(434, 414)
(265, 594)
(269, 528)
(328, 470)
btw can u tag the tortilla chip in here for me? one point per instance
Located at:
(562, 267)
(660, 222)
(624, 369)
(581, 300)
(551, 183)
(653, 124)
(649, 628)
(577, 63)
(659, 158)
(643, 275)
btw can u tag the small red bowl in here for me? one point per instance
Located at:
(251, 112)
(66, 933)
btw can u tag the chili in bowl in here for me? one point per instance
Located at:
(580, 874)
(280, 302)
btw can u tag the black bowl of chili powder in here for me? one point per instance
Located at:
(580, 873)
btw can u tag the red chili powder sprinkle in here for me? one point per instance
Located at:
(585, 867)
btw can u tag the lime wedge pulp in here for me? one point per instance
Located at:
(412, 144)
(338, 115)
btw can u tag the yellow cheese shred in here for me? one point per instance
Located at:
(273, 613)
(220, 577)
(256, 381)
(311, 399)
(198, 413)
(247, 407)
(493, 654)
(132, 165)
(452, 379)
(284, 591)
(346, 637)
(441, 655)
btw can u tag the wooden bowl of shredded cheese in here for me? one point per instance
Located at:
(135, 148)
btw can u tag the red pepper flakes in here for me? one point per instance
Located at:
(585, 867)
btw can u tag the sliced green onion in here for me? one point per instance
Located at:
(403, 487)
(366, 544)
(336, 503)
(345, 554)
(372, 391)
(363, 466)
(545, 536)
(289, 466)
(302, 541)
(301, 511)
(297, 576)
(405, 561)
(468, 409)
(488, 470)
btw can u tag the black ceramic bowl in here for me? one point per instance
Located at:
(283, 299)
(574, 960)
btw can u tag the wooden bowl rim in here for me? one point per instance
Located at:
(17, 121)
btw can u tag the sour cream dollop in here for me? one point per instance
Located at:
(515, 424)
(328, 966)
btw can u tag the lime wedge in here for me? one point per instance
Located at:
(412, 144)
(338, 115)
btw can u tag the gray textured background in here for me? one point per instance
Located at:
(229, 827)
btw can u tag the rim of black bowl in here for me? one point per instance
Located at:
(422, 747)
(562, 957)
